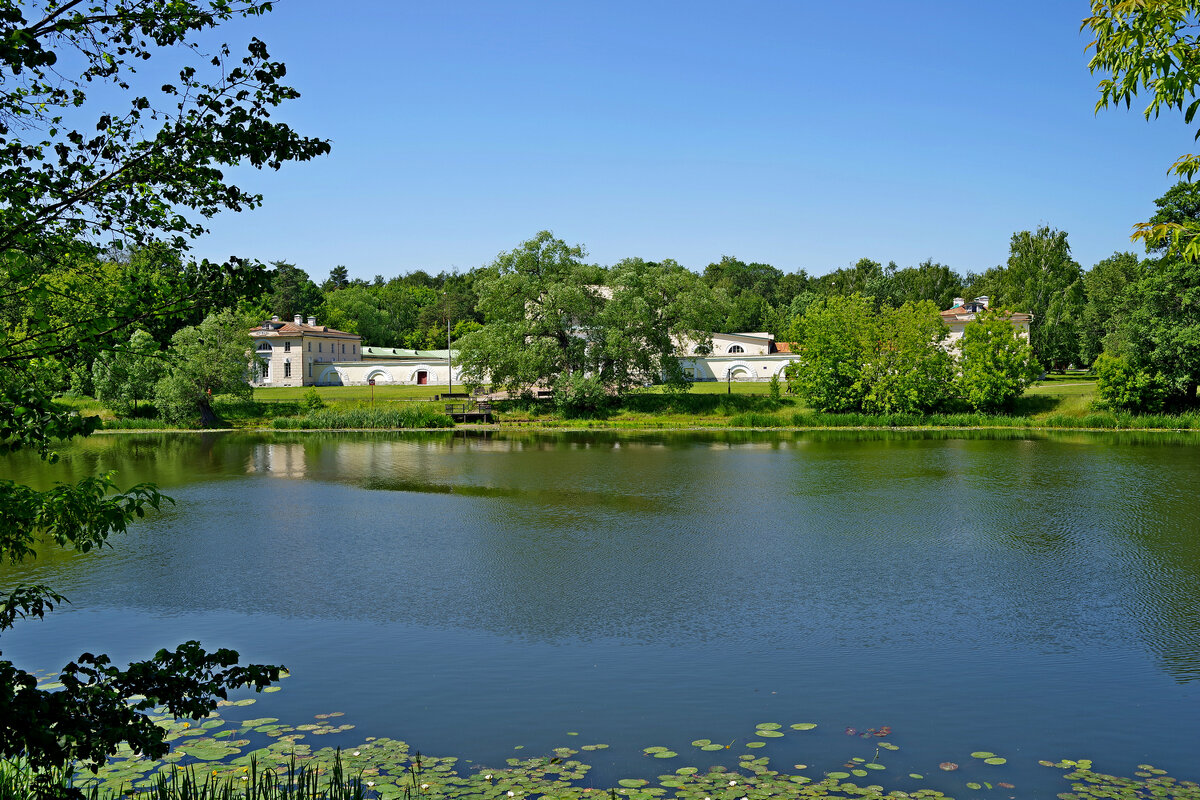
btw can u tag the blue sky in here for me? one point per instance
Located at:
(799, 134)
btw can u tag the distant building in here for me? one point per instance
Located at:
(737, 357)
(963, 312)
(301, 353)
(386, 365)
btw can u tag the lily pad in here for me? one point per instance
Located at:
(272, 688)
(948, 766)
(974, 785)
(756, 744)
(713, 747)
(768, 726)
(652, 750)
(996, 760)
(837, 775)
(769, 734)
(889, 746)
(982, 754)
(701, 742)
(803, 726)
(916, 775)
(632, 783)
(666, 754)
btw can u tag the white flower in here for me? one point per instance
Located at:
(357, 753)
(370, 783)
(424, 785)
(733, 783)
(512, 794)
(487, 777)
(245, 778)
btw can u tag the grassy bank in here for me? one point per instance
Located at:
(1058, 402)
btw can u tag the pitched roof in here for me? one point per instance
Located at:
(400, 352)
(274, 328)
(961, 314)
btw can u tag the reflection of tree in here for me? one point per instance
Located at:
(937, 541)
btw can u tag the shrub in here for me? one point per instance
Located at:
(1121, 385)
(312, 399)
(579, 395)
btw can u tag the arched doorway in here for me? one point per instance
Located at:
(422, 377)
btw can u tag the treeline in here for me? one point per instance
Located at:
(1137, 319)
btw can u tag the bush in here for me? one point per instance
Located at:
(407, 415)
(1120, 385)
(312, 399)
(997, 364)
(579, 395)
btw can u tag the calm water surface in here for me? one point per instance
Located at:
(1037, 597)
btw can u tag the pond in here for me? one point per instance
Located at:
(472, 593)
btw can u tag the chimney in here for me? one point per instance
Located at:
(274, 318)
(312, 321)
(958, 301)
(298, 319)
(983, 301)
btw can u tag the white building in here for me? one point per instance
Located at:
(300, 353)
(964, 312)
(737, 357)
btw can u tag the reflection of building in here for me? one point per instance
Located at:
(737, 357)
(299, 354)
(963, 312)
(280, 460)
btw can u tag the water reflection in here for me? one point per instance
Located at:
(898, 572)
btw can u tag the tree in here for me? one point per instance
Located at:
(835, 338)
(653, 309)
(339, 278)
(292, 292)
(1040, 272)
(126, 375)
(855, 355)
(909, 371)
(539, 303)
(204, 360)
(1151, 45)
(140, 175)
(997, 363)
(1104, 286)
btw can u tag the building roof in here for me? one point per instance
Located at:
(400, 352)
(278, 328)
(964, 314)
(784, 347)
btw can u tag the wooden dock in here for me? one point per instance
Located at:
(470, 412)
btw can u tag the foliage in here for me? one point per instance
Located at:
(312, 399)
(539, 303)
(638, 330)
(135, 175)
(204, 360)
(1120, 385)
(580, 395)
(997, 364)
(775, 389)
(401, 415)
(854, 356)
(1150, 46)
(908, 369)
(127, 374)
(1105, 287)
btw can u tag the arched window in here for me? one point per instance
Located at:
(264, 347)
(736, 348)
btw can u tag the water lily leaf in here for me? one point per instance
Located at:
(916, 775)
(713, 747)
(974, 785)
(838, 775)
(948, 766)
(272, 688)
(860, 773)
(701, 742)
(655, 749)
(982, 754)
(768, 726)
(768, 734)
(686, 771)
(874, 765)
(632, 783)
(803, 726)
(756, 744)
(889, 746)
(995, 760)
(666, 754)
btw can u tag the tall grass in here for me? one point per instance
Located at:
(406, 415)
(1096, 419)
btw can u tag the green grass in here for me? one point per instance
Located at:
(392, 415)
(341, 393)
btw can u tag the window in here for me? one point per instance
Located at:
(343, 348)
(287, 369)
(264, 347)
(736, 348)
(266, 368)
(310, 369)
(287, 347)
(320, 347)
(689, 373)
(310, 347)
(352, 350)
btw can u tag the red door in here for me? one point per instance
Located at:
(422, 377)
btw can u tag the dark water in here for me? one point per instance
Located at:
(1035, 597)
